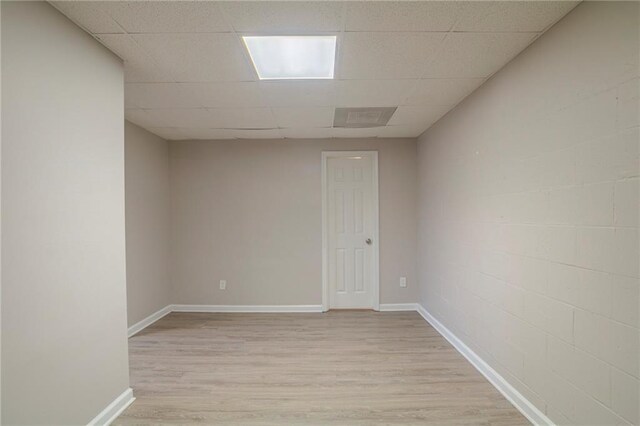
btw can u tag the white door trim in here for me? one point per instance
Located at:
(325, 237)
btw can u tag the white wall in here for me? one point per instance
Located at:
(0, 228)
(250, 212)
(64, 341)
(528, 218)
(147, 222)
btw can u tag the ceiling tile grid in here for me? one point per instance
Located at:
(296, 117)
(198, 57)
(167, 16)
(402, 16)
(372, 93)
(284, 17)
(188, 75)
(242, 118)
(387, 55)
(307, 133)
(298, 93)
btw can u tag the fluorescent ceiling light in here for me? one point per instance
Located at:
(292, 57)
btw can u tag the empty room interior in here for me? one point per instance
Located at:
(320, 213)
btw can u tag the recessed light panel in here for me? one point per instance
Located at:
(292, 57)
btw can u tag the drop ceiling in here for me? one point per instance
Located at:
(188, 75)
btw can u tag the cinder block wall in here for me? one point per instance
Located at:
(528, 218)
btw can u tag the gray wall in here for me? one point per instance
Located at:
(147, 219)
(64, 342)
(528, 229)
(0, 226)
(249, 211)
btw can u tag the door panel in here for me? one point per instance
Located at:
(351, 222)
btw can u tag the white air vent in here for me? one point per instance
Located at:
(362, 117)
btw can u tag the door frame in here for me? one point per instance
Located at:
(373, 155)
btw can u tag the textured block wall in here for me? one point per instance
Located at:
(528, 218)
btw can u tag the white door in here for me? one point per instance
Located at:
(351, 222)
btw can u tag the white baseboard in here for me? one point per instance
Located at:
(135, 328)
(391, 307)
(246, 308)
(141, 325)
(530, 411)
(113, 410)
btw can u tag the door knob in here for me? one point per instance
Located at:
(368, 241)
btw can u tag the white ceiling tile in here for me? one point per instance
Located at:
(476, 55)
(386, 55)
(91, 16)
(159, 95)
(168, 133)
(307, 133)
(138, 66)
(206, 134)
(516, 16)
(139, 71)
(441, 91)
(406, 131)
(242, 118)
(140, 117)
(298, 93)
(418, 115)
(304, 117)
(257, 134)
(402, 16)
(168, 16)
(372, 93)
(370, 132)
(228, 94)
(281, 17)
(179, 117)
(198, 57)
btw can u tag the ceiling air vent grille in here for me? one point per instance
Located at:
(358, 118)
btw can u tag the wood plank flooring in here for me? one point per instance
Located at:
(337, 368)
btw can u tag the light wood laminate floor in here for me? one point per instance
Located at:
(339, 368)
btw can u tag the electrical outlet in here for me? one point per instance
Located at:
(403, 281)
(223, 284)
